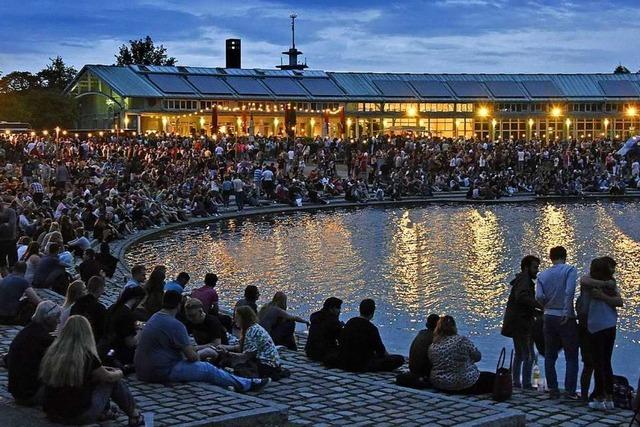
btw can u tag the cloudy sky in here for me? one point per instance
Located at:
(437, 36)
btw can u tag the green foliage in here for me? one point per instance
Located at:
(143, 52)
(57, 75)
(37, 98)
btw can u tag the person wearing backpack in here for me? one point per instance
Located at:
(519, 319)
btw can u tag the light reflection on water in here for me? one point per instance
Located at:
(445, 259)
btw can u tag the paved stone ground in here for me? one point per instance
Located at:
(314, 395)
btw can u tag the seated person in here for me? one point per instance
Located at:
(50, 270)
(278, 323)
(182, 280)
(453, 359)
(206, 329)
(121, 326)
(207, 294)
(89, 267)
(138, 276)
(324, 331)
(12, 288)
(26, 352)
(154, 290)
(255, 346)
(419, 364)
(250, 299)
(78, 387)
(165, 354)
(75, 291)
(108, 262)
(90, 307)
(361, 348)
(209, 297)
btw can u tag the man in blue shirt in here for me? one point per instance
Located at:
(165, 353)
(555, 290)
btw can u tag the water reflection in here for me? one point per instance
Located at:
(445, 259)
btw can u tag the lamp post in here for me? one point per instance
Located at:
(606, 125)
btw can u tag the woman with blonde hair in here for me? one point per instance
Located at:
(281, 325)
(78, 387)
(453, 358)
(255, 345)
(75, 290)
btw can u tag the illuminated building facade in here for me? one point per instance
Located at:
(309, 103)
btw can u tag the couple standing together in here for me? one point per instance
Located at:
(590, 326)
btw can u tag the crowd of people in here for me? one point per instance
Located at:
(64, 201)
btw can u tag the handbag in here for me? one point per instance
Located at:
(503, 383)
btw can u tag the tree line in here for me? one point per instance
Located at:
(38, 99)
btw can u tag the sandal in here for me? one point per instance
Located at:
(136, 421)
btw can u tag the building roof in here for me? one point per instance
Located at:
(317, 85)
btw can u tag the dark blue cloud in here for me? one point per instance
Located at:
(410, 35)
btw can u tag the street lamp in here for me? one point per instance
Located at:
(57, 132)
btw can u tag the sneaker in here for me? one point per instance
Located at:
(609, 404)
(598, 405)
(260, 384)
(571, 396)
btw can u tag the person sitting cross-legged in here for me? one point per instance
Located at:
(361, 348)
(26, 352)
(165, 354)
(206, 329)
(12, 288)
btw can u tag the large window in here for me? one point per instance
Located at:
(436, 107)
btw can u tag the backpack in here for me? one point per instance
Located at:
(622, 393)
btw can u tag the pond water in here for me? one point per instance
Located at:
(447, 259)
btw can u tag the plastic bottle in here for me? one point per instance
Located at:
(535, 380)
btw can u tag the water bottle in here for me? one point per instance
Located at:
(535, 381)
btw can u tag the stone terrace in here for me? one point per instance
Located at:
(314, 395)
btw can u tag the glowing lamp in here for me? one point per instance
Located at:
(556, 111)
(483, 112)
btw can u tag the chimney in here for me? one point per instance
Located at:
(233, 53)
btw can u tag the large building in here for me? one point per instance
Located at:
(296, 101)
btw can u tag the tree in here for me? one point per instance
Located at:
(143, 52)
(19, 81)
(57, 75)
(621, 69)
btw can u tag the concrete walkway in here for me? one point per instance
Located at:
(314, 395)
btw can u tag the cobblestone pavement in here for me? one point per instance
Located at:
(314, 395)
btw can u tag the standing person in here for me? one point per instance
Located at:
(8, 235)
(519, 318)
(238, 191)
(257, 180)
(361, 348)
(78, 388)
(227, 187)
(555, 291)
(602, 318)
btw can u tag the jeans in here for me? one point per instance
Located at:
(602, 348)
(523, 360)
(102, 395)
(556, 337)
(185, 371)
(240, 199)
